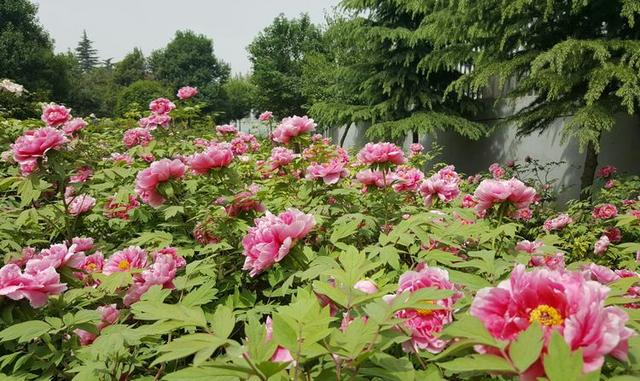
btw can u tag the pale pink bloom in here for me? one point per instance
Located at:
(381, 153)
(496, 171)
(265, 116)
(227, 129)
(158, 120)
(250, 140)
(601, 245)
(73, 126)
(187, 92)
(521, 195)
(272, 237)
(292, 127)
(317, 138)
(55, 115)
(57, 255)
(560, 301)
(406, 179)
(416, 149)
(35, 287)
(599, 273)
(78, 205)
(373, 178)
(280, 157)
(159, 172)
(281, 354)
(367, 286)
(93, 263)
(125, 260)
(424, 325)
(330, 172)
(524, 214)
(81, 175)
(491, 192)
(161, 106)
(557, 223)
(238, 146)
(606, 171)
(215, 157)
(529, 247)
(604, 211)
(113, 209)
(443, 185)
(173, 253)
(121, 158)
(162, 272)
(468, 201)
(147, 157)
(34, 145)
(136, 137)
(83, 244)
(26, 254)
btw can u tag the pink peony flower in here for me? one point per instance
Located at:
(109, 315)
(606, 172)
(244, 202)
(496, 171)
(292, 127)
(57, 256)
(552, 262)
(83, 244)
(407, 179)
(202, 236)
(227, 129)
(367, 286)
(161, 106)
(524, 214)
(468, 201)
(113, 209)
(416, 149)
(187, 92)
(265, 116)
(250, 140)
(381, 153)
(560, 301)
(73, 126)
(136, 137)
(424, 325)
(93, 263)
(125, 260)
(159, 172)
(162, 272)
(281, 157)
(557, 223)
(601, 245)
(78, 205)
(330, 172)
(614, 234)
(443, 185)
(215, 157)
(373, 178)
(529, 247)
(272, 237)
(491, 192)
(604, 211)
(81, 175)
(238, 146)
(55, 115)
(121, 158)
(281, 354)
(154, 121)
(33, 145)
(35, 287)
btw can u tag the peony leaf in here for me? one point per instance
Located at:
(474, 363)
(525, 350)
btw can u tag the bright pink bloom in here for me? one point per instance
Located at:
(604, 211)
(136, 137)
(159, 172)
(78, 205)
(265, 116)
(524, 214)
(227, 129)
(154, 121)
(187, 92)
(161, 106)
(557, 223)
(34, 145)
(60, 255)
(416, 149)
(601, 245)
(280, 157)
(606, 172)
(491, 192)
(162, 272)
(55, 115)
(36, 287)
(292, 127)
(496, 171)
(614, 234)
(443, 185)
(124, 260)
(560, 301)
(81, 175)
(367, 286)
(73, 126)
(468, 201)
(406, 179)
(238, 146)
(93, 263)
(215, 157)
(281, 354)
(272, 237)
(329, 172)
(424, 325)
(381, 153)
(373, 178)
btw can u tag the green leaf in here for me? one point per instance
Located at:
(201, 344)
(471, 328)
(525, 350)
(560, 364)
(284, 333)
(474, 363)
(223, 321)
(151, 310)
(25, 331)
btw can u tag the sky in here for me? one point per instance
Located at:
(117, 26)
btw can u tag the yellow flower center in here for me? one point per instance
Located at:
(91, 267)
(546, 315)
(123, 265)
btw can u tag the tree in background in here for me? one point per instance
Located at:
(136, 96)
(577, 59)
(87, 56)
(277, 55)
(380, 79)
(133, 67)
(239, 95)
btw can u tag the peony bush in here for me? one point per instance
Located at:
(170, 248)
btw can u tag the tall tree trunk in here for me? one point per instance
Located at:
(344, 134)
(415, 137)
(589, 171)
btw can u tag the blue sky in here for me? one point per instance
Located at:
(117, 26)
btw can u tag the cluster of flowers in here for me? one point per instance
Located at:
(12, 87)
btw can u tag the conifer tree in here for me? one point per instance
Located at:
(87, 56)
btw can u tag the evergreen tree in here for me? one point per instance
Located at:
(133, 67)
(86, 54)
(576, 58)
(379, 79)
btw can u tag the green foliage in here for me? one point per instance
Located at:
(136, 96)
(239, 94)
(132, 68)
(86, 54)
